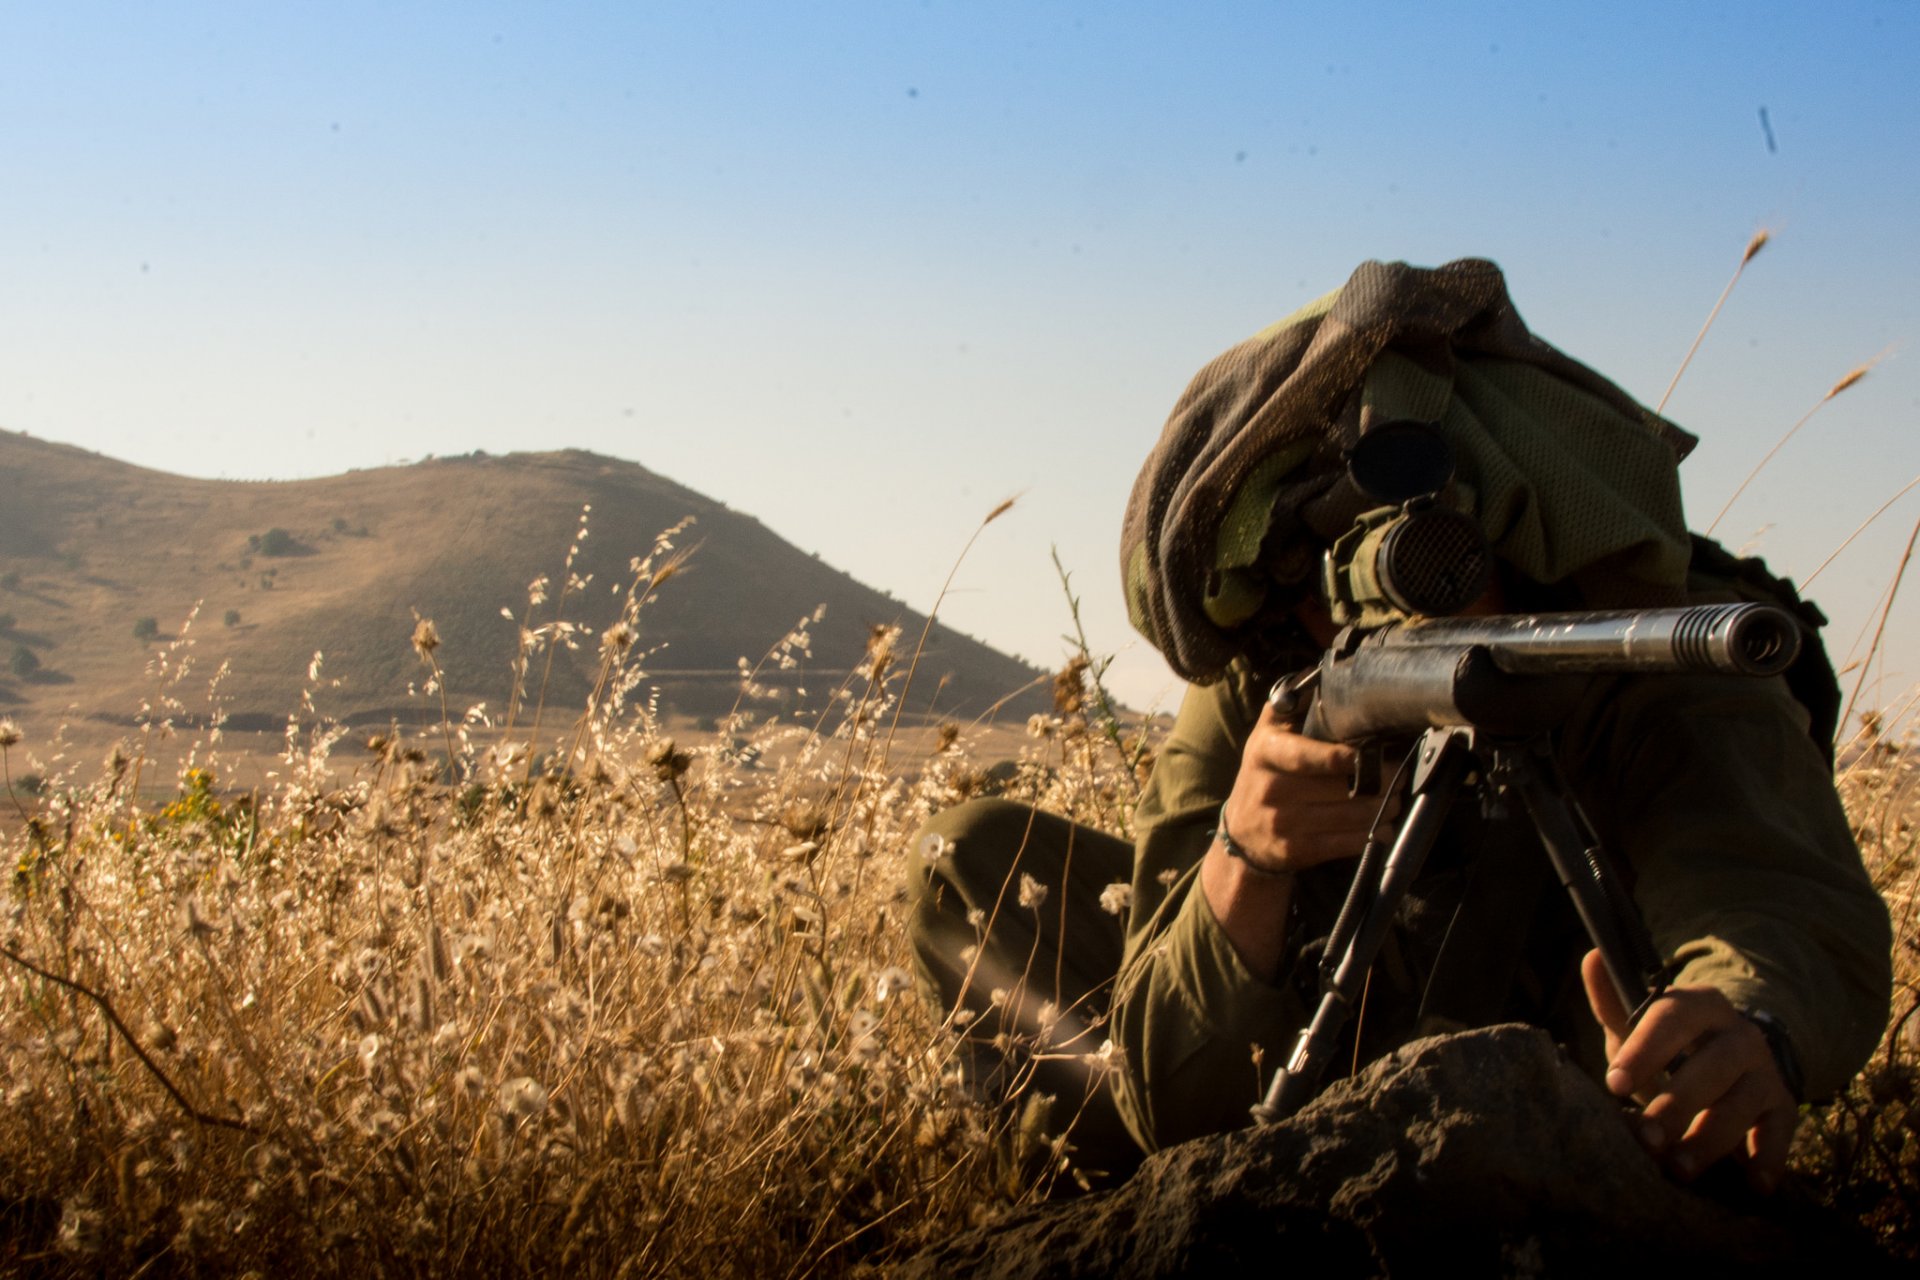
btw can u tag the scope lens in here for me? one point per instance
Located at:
(1434, 562)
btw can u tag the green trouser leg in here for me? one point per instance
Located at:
(1036, 978)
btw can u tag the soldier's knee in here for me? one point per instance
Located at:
(975, 843)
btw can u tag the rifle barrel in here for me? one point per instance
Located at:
(1731, 639)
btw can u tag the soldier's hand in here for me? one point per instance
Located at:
(1289, 808)
(1726, 1098)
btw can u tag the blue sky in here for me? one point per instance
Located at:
(864, 270)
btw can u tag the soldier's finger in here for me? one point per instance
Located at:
(1609, 1010)
(1671, 1026)
(1767, 1145)
(1280, 748)
(1720, 1129)
(1712, 1075)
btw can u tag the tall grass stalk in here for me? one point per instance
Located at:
(1852, 376)
(1754, 246)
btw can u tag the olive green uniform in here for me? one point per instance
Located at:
(1707, 789)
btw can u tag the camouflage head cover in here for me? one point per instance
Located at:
(1569, 478)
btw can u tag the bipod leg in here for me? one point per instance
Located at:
(1444, 758)
(1585, 870)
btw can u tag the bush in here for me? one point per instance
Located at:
(146, 629)
(24, 661)
(274, 542)
(231, 617)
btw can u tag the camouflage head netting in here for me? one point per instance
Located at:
(1570, 479)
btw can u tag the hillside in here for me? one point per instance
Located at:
(340, 565)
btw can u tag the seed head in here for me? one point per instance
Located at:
(1853, 376)
(668, 762)
(9, 733)
(1070, 687)
(1032, 892)
(426, 638)
(617, 638)
(522, 1098)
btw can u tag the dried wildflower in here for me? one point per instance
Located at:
(949, 734)
(9, 733)
(1116, 898)
(805, 821)
(1032, 892)
(1070, 686)
(522, 1098)
(469, 1081)
(192, 921)
(1040, 726)
(83, 1229)
(668, 763)
(880, 649)
(617, 639)
(890, 981)
(426, 638)
(935, 848)
(1048, 1017)
(1167, 876)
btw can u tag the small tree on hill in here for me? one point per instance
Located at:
(24, 662)
(274, 542)
(232, 618)
(146, 629)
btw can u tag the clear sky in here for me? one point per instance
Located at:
(865, 269)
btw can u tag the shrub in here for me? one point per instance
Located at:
(274, 542)
(231, 617)
(146, 629)
(24, 661)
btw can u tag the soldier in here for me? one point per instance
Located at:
(1715, 793)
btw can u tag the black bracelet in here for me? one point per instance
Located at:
(1236, 850)
(1781, 1045)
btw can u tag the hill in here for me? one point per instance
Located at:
(91, 549)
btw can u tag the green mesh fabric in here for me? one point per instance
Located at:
(1570, 479)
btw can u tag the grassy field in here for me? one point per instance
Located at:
(635, 1007)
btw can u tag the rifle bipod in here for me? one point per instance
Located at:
(1445, 764)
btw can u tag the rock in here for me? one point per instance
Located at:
(1480, 1153)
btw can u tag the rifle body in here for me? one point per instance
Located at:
(1517, 675)
(1482, 695)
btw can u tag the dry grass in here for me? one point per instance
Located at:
(1861, 1154)
(639, 1010)
(644, 1014)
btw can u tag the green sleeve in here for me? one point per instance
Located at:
(1187, 1013)
(1744, 864)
